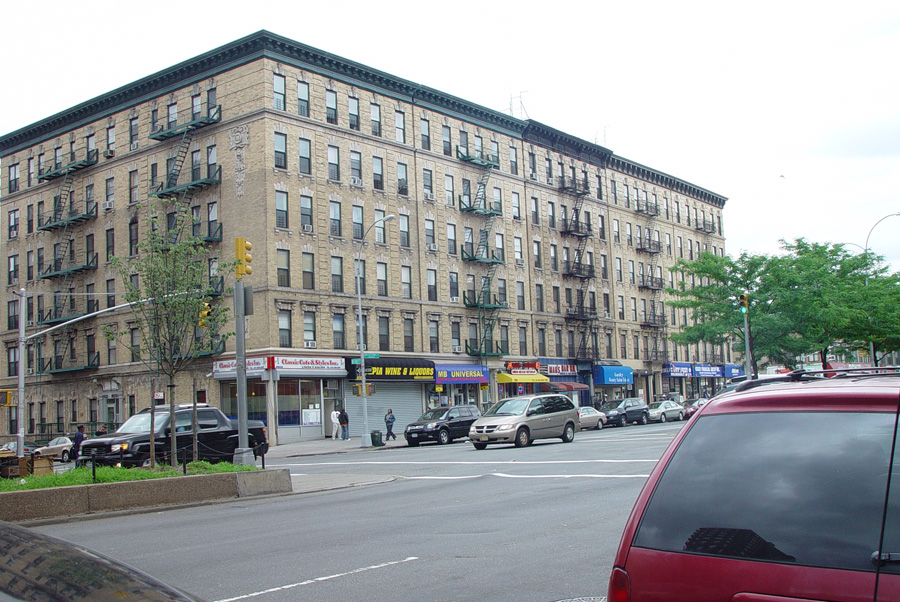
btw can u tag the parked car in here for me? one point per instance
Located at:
(523, 419)
(61, 446)
(589, 418)
(130, 445)
(692, 405)
(9, 449)
(40, 567)
(665, 410)
(442, 424)
(622, 411)
(788, 491)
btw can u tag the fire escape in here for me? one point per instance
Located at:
(654, 319)
(70, 259)
(482, 298)
(178, 191)
(583, 313)
(706, 227)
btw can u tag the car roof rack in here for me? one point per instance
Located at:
(816, 375)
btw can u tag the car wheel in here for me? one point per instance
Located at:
(623, 421)
(479, 445)
(146, 462)
(568, 433)
(662, 417)
(522, 438)
(413, 443)
(599, 424)
(644, 419)
(444, 437)
(680, 415)
(64, 456)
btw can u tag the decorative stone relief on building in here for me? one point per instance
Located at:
(238, 139)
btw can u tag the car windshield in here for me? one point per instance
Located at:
(509, 407)
(140, 423)
(612, 405)
(656, 405)
(435, 414)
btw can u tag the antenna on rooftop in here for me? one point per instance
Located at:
(519, 111)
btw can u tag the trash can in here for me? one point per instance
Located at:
(376, 439)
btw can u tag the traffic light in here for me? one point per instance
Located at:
(744, 300)
(242, 255)
(204, 313)
(6, 397)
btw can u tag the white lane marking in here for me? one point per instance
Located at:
(319, 579)
(535, 476)
(444, 462)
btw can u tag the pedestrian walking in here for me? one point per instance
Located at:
(335, 424)
(344, 420)
(389, 425)
(76, 446)
(101, 432)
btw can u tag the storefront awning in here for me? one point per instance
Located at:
(503, 377)
(613, 375)
(562, 386)
(677, 370)
(448, 374)
(387, 368)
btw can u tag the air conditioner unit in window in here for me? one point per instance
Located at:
(307, 227)
(134, 146)
(457, 349)
(429, 196)
(109, 153)
(432, 247)
(450, 202)
(608, 316)
(354, 181)
(533, 176)
(29, 371)
(29, 323)
(107, 205)
(309, 344)
(454, 299)
(520, 262)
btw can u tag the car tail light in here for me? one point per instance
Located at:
(619, 586)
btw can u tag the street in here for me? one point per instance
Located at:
(537, 524)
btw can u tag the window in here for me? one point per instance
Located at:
(448, 189)
(501, 290)
(406, 282)
(504, 339)
(331, 107)
(278, 92)
(14, 178)
(466, 197)
(454, 284)
(13, 231)
(135, 344)
(463, 142)
(431, 276)
(634, 314)
(399, 126)
(133, 186)
(303, 99)
(428, 183)
(377, 173)
(604, 270)
(495, 153)
(402, 182)
(334, 214)
(306, 221)
(426, 134)
(353, 112)
(517, 249)
(381, 278)
(513, 161)
(29, 266)
(284, 328)
(554, 260)
(31, 165)
(631, 277)
(12, 361)
(375, 112)
(359, 266)
(433, 339)
(520, 295)
(516, 206)
(384, 333)
(551, 214)
(110, 191)
(498, 200)
(280, 151)
(451, 239)
(535, 211)
(305, 151)
(404, 230)
(338, 339)
(110, 243)
(110, 140)
(445, 140)
(133, 237)
(133, 131)
(356, 165)
(281, 209)
(523, 340)
(536, 252)
(408, 335)
(337, 275)
(307, 271)
(539, 297)
(334, 163)
(283, 263)
(29, 217)
(548, 170)
(616, 237)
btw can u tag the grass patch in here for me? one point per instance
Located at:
(111, 474)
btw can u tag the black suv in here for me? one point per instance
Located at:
(442, 424)
(622, 411)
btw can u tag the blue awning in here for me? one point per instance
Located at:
(677, 370)
(613, 375)
(707, 371)
(460, 374)
(732, 370)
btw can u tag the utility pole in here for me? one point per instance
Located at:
(745, 309)
(242, 455)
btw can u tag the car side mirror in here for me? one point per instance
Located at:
(531, 412)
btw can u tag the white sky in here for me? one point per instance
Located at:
(790, 109)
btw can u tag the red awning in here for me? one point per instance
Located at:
(563, 386)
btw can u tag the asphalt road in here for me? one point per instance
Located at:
(527, 524)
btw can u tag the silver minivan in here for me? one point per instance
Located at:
(523, 419)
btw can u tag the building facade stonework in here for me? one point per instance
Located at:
(511, 244)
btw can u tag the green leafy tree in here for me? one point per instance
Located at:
(171, 280)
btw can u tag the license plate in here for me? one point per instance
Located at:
(413, 435)
(483, 438)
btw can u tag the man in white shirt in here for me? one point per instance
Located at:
(335, 424)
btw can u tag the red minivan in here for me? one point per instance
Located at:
(782, 491)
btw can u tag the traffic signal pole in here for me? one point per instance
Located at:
(242, 455)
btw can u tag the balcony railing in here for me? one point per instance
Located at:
(64, 267)
(186, 120)
(574, 185)
(62, 216)
(72, 161)
(576, 269)
(706, 225)
(65, 312)
(649, 246)
(575, 227)
(653, 320)
(647, 208)
(581, 312)
(62, 363)
(484, 300)
(170, 187)
(651, 282)
(477, 157)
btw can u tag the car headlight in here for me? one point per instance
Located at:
(431, 425)
(506, 427)
(613, 413)
(118, 447)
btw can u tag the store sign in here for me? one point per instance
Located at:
(251, 364)
(396, 369)
(522, 367)
(707, 371)
(460, 374)
(677, 370)
(560, 369)
(310, 363)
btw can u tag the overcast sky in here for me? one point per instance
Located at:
(789, 109)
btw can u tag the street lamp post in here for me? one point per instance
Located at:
(366, 438)
(866, 251)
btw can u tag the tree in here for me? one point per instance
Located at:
(169, 282)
